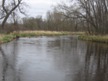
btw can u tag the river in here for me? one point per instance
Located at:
(57, 58)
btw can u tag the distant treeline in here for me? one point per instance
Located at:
(54, 21)
(90, 16)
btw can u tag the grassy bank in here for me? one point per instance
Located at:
(7, 38)
(94, 38)
(38, 33)
(44, 33)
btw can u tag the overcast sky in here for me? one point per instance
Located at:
(40, 7)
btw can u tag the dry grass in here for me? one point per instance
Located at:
(7, 38)
(44, 33)
(94, 38)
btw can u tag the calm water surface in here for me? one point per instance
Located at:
(63, 58)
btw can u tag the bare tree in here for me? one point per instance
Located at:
(7, 8)
(94, 13)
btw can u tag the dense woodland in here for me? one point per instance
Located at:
(90, 16)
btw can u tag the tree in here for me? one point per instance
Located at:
(69, 17)
(33, 23)
(7, 8)
(94, 13)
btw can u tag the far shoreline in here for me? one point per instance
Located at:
(4, 38)
(95, 38)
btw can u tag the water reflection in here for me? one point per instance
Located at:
(7, 64)
(63, 58)
(96, 63)
(50, 58)
(68, 56)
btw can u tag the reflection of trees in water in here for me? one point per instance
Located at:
(68, 56)
(5, 64)
(96, 64)
(9, 61)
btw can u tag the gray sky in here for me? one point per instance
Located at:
(40, 7)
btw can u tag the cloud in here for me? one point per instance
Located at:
(40, 7)
(39, 1)
(32, 2)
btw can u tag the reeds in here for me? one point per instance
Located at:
(44, 33)
(9, 37)
(94, 38)
(6, 38)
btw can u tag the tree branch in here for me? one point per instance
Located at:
(3, 6)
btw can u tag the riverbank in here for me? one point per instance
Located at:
(82, 36)
(4, 38)
(9, 37)
(44, 33)
(94, 38)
